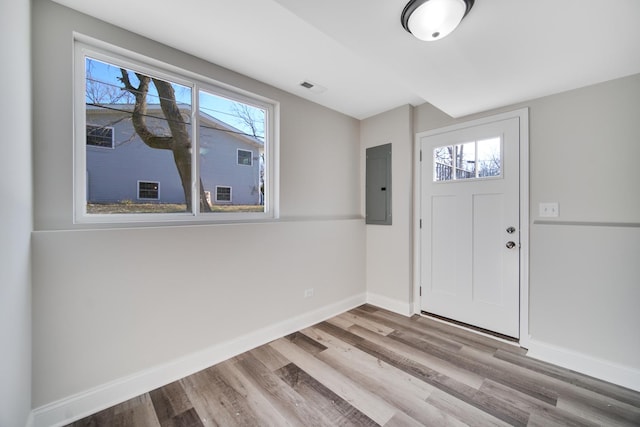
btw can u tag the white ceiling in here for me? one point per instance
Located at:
(505, 51)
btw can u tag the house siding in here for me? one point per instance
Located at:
(113, 173)
(220, 167)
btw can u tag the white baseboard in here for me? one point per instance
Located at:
(624, 376)
(401, 307)
(29, 420)
(78, 406)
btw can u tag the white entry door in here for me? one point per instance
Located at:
(470, 225)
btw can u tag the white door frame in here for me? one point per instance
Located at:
(523, 116)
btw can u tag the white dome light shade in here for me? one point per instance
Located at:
(434, 19)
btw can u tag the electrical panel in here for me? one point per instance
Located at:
(378, 185)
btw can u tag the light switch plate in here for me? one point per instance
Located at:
(549, 210)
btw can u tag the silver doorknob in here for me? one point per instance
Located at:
(511, 230)
(511, 245)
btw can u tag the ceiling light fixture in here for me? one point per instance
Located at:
(434, 19)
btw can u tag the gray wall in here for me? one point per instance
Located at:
(584, 270)
(116, 302)
(15, 212)
(389, 248)
(585, 277)
(112, 303)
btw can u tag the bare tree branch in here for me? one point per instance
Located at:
(245, 115)
(138, 117)
(179, 141)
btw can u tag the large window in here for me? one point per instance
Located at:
(171, 127)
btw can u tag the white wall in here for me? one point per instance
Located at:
(584, 274)
(113, 305)
(15, 214)
(389, 247)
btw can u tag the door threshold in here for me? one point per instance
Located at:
(471, 328)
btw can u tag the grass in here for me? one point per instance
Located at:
(135, 208)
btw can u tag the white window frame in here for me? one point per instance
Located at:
(113, 138)
(85, 46)
(140, 181)
(230, 194)
(238, 157)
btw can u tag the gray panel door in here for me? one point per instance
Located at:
(378, 185)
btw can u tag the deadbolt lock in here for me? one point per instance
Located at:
(511, 245)
(511, 230)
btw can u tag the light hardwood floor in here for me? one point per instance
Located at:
(371, 367)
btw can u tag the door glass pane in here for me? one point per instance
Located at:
(466, 160)
(442, 163)
(469, 160)
(489, 157)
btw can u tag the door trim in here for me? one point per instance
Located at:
(523, 116)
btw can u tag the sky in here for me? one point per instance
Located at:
(103, 82)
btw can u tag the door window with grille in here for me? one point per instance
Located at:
(468, 160)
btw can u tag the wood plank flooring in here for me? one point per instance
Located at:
(371, 367)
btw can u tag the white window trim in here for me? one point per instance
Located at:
(230, 194)
(238, 156)
(146, 182)
(113, 137)
(87, 46)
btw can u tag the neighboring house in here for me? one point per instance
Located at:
(120, 167)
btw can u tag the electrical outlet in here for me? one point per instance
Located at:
(549, 210)
(308, 293)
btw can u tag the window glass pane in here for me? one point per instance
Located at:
(489, 157)
(100, 136)
(442, 163)
(149, 120)
(477, 159)
(466, 160)
(232, 142)
(149, 190)
(223, 194)
(245, 157)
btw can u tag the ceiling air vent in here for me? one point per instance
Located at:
(313, 87)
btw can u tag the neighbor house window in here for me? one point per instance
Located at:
(223, 194)
(100, 136)
(148, 190)
(245, 157)
(179, 128)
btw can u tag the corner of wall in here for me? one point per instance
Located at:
(16, 212)
(389, 247)
(397, 306)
